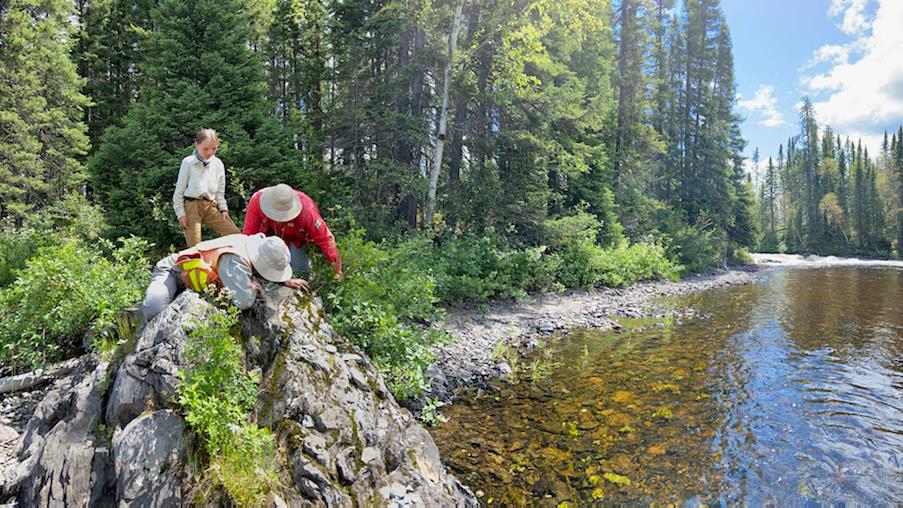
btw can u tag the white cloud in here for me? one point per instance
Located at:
(765, 104)
(836, 54)
(865, 94)
(854, 20)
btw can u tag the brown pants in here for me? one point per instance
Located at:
(200, 212)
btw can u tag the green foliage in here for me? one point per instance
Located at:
(107, 47)
(379, 304)
(584, 264)
(430, 414)
(770, 243)
(696, 248)
(64, 292)
(477, 269)
(42, 137)
(699, 249)
(217, 395)
(17, 245)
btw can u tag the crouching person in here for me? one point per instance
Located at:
(230, 261)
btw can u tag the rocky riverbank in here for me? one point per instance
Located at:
(469, 361)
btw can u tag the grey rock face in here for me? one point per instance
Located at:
(149, 376)
(361, 440)
(62, 462)
(342, 439)
(149, 458)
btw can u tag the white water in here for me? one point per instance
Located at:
(814, 261)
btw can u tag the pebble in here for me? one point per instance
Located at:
(369, 454)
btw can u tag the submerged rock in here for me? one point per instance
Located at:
(114, 436)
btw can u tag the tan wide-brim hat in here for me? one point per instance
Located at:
(270, 257)
(280, 203)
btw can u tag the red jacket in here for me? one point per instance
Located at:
(307, 226)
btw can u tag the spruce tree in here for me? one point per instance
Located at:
(107, 52)
(771, 194)
(197, 71)
(42, 136)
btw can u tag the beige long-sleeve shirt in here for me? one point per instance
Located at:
(197, 181)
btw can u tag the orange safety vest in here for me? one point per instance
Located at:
(199, 266)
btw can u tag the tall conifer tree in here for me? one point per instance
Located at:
(42, 136)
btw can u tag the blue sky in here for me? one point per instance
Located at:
(846, 55)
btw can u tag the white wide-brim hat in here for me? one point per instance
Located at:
(270, 257)
(280, 203)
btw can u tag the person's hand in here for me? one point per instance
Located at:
(298, 284)
(339, 274)
(183, 221)
(256, 286)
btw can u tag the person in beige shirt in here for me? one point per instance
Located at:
(200, 195)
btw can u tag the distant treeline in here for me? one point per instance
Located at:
(826, 195)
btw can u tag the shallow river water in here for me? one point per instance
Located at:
(783, 391)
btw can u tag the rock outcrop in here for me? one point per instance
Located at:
(112, 435)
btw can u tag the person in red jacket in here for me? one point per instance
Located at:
(291, 215)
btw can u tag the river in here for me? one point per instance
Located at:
(787, 390)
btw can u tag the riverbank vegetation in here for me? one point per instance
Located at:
(461, 151)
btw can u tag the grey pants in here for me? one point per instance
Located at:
(300, 261)
(164, 286)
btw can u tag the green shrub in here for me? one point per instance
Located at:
(698, 248)
(384, 305)
(477, 269)
(17, 245)
(572, 229)
(71, 217)
(626, 264)
(585, 264)
(65, 291)
(217, 395)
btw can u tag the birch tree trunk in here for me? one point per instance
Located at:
(443, 118)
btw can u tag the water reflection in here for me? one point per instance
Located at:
(788, 391)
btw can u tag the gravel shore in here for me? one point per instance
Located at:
(469, 360)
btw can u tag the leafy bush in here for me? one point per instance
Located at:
(217, 395)
(572, 229)
(16, 246)
(72, 217)
(585, 264)
(383, 306)
(699, 248)
(626, 264)
(476, 269)
(65, 291)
